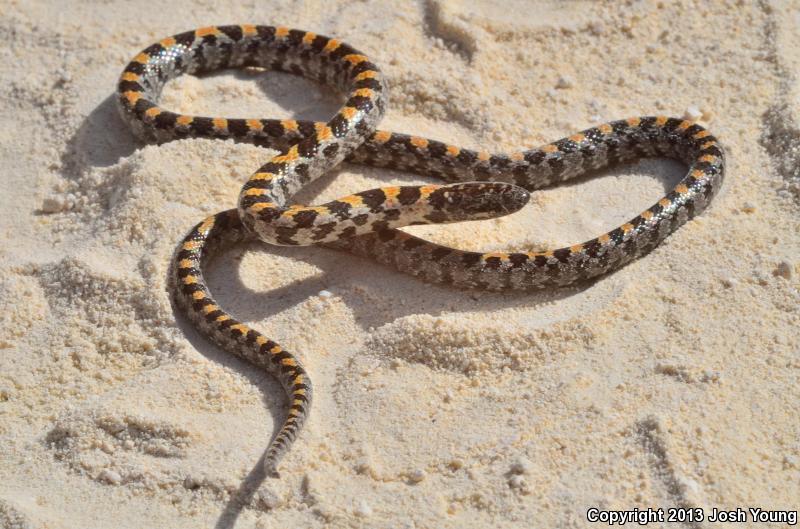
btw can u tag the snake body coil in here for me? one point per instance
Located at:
(365, 223)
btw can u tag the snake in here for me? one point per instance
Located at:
(476, 185)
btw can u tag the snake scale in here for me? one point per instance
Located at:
(482, 185)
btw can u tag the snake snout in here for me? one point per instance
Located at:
(514, 198)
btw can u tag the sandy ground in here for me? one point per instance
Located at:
(673, 382)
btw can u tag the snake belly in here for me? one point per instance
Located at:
(478, 185)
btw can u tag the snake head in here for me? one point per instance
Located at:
(476, 201)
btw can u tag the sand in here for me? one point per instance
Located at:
(670, 383)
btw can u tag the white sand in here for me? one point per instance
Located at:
(673, 382)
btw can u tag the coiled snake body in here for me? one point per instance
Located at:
(365, 223)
